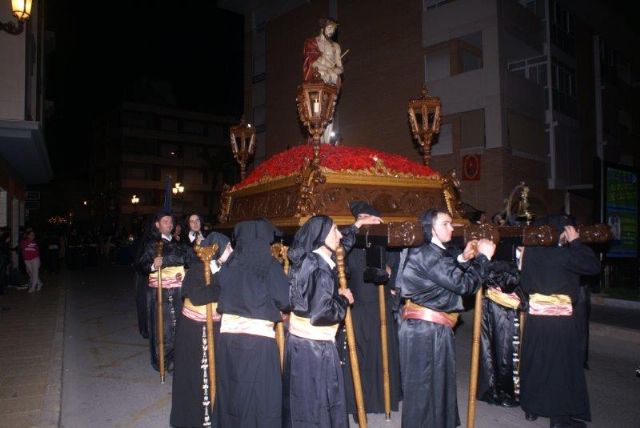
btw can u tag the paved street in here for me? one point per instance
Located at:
(107, 380)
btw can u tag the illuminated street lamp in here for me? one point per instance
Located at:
(135, 200)
(246, 133)
(178, 188)
(21, 9)
(316, 104)
(424, 116)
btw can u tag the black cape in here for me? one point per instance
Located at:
(430, 277)
(552, 374)
(190, 394)
(253, 286)
(173, 254)
(499, 338)
(366, 325)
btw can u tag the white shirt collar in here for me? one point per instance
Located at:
(168, 238)
(437, 241)
(192, 236)
(326, 258)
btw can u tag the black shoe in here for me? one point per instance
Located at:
(490, 398)
(509, 402)
(530, 416)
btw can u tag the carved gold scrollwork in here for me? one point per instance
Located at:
(309, 178)
(225, 205)
(451, 190)
(205, 254)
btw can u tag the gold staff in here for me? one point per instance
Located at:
(351, 341)
(280, 252)
(475, 358)
(205, 254)
(159, 313)
(385, 352)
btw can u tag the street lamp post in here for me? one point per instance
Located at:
(21, 9)
(316, 104)
(424, 116)
(246, 133)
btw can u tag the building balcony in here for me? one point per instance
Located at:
(522, 24)
(524, 96)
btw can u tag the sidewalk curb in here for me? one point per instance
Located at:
(606, 330)
(52, 399)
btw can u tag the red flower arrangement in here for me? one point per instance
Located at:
(334, 158)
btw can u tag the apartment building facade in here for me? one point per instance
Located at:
(531, 90)
(23, 154)
(138, 148)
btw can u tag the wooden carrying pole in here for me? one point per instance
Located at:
(280, 252)
(206, 254)
(385, 352)
(475, 358)
(159, 314)
(351, 342)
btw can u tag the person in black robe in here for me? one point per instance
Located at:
(195, 234)
(313, 381)
(498, 378)
(190, 395)
(172, 263)
(553, 383)
(363, 283)
(433, 283)
(254, 291)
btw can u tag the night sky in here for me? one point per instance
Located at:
(104, 54)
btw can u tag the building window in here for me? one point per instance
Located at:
(443, 144)
(564, 89)
(453, 57)
(192, 176)
(194, 128)
(168, 124)
(562, 26)
(169, 150)
(138, 146)
(526, 135)
(472, 129)
(138, 119)
(436, 65)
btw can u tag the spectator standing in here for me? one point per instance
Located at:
(31, 255)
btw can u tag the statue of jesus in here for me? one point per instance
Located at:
(322, 54)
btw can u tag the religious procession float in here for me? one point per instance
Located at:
(322, 178)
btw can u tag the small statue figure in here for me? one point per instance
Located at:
(323, 55)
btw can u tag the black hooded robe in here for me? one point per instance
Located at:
(190, 388)
(253, 285)
(313, 383)
(553, 383)
(499, 339)
(173, 254)
(366, 325)
(430, 277)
